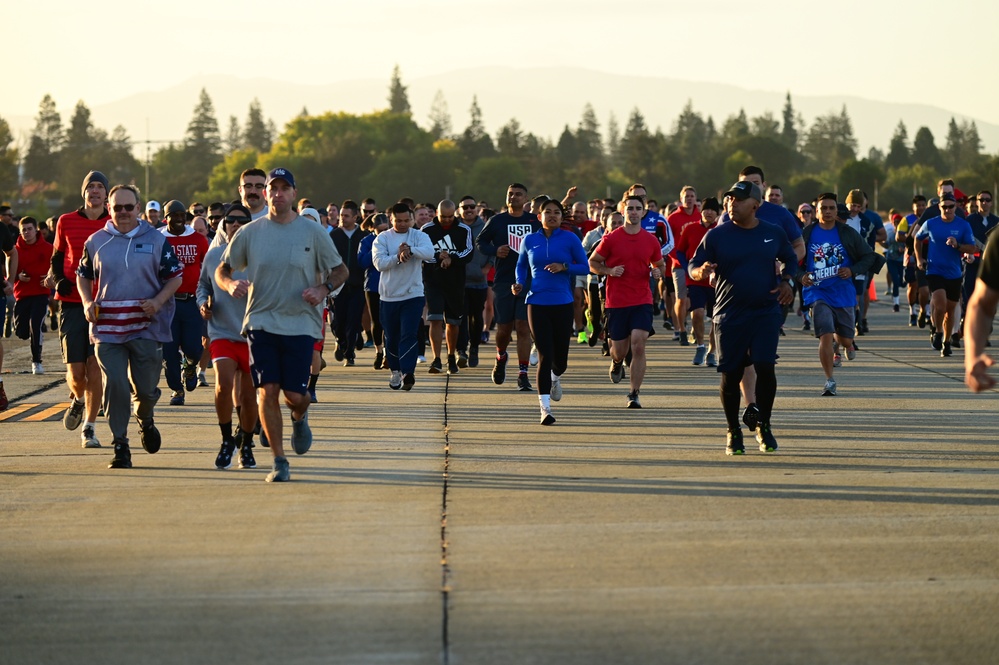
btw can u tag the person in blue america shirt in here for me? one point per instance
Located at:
(740, 257)
(834, 253)
(549, 261)
(949, 238)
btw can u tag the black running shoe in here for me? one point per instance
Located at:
(912, 320)
(734, 443)
(224, 459)
(122, 456)
(765, 437)
(379, 358)
(946, 350)
(452, 365)
(633, 402)
(149, 436)
(190, 376)
(937, 341)
(523, 383)
(407, 381)
(436, 367)
(923, 319)
(499, 371)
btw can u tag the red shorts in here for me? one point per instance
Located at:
(237, 351)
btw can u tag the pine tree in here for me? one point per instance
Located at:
(953, 146)
(589, 144)
(398, 99)
(257, 134)
(8, 161)
(474, 142)
(789, 130)
(509, 139)
(203, 134)
(613, 140)
(899, 154)
(925, 151)
(233, 140)
(440, 117)
(42, 159)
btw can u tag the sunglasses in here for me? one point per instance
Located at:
(127, 207)
(981, 200)
(199, 212)
(948, 207)
(214, 218)
(806, 211)
(236, 220)
(469, 207)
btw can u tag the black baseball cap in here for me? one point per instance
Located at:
(743, 190)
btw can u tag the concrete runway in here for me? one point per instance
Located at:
(444, 525)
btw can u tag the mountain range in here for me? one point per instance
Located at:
(543, 100)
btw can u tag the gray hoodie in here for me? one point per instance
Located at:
(227, 312)
(474, 279)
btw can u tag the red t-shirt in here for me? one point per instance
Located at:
(190, 248)
(637, 253)
(688, 243)
(678, 221)
(72, 232)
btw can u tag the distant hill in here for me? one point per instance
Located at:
(503, 93)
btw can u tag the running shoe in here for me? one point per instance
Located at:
(923, 319)
(699, 355)
(864, 327)
(734, 444)
(807, 325)
(582, 337)
(36, 368)
(246, 459)
(312, 396)
(955, 341)
(633, 402)
(301, 434)
(177, 399)
(190, 376)
(667, 324)
(946, 350)
(122, 455)
(523, 383)
(499, 370)
(395, 381)
(894, 308)
(556, 393)
(436, 367)
(837, 360)
(616, 372)
(473, 356)
(765, 437)
(533, 358)
(73, 416)
(349, 361)
(830, 389)
(851, 353)
(712, 361)
(407, 381)
(281, 472)
(88, 438)
(684, 341)
(379, 357)
(149, 436)
(912, 320)
(937, 341)
(202, 380)
(224, 459)
(462, 360)
(546, 416)
(452, 365)
(751, 416)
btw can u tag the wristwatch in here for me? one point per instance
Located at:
(329, 287)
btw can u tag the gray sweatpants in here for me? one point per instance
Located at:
(135, 364)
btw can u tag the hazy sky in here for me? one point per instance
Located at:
(905, 52)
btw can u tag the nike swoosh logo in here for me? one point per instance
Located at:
(771, 240)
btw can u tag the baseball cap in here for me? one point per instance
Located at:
(805, 206)
(743, 190)
(311, 213)
(281, 174)
(947, 196)
(153, 205)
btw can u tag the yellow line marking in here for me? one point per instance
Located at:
(15, 411)
(45, 414)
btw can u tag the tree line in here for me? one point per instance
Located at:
(388, 154)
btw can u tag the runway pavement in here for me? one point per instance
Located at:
(445, 525)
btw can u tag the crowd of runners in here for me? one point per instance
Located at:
(140, 289)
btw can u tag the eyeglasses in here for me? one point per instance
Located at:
(199, 213)
(948, 207)
(370, 211)
(806, 211)
(127, 207)
(469, 207)
(981, 200)
(236, 220)
(214, 218)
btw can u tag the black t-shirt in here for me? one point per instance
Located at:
(7, 240)
(989, 272)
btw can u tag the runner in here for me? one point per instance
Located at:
(31, 296)
(701, 294)
(444, 282)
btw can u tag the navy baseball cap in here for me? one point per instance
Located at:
(281, 174)
(743, 190)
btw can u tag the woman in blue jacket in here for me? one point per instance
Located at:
(548, 263)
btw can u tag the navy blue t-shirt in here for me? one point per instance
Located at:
(776, 215)
(505, 229)
(746, 274)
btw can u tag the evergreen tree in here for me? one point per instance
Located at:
(953, 146)
(767, 126)
(257, 134)
(567, 148)
(8, 162)
(509, 139)
(203, 137)
(637, 152)
(440, 117)
(613, 140)
(899, 154)
(398, 99)
(474, 143)
(829, 142)
(735, 127)
(589, 144)
(789, 129)
(41, 162)
(925, 151)
(233, 139)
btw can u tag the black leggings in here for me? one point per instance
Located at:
(472, 324)
(374, 311)
(550, 326)
(29, 312)
(766, 392)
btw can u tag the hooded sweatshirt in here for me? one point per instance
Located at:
(128, 268)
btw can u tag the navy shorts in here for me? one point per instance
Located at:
(702, 297)
(622, 320)
(507, 307)
(747, 340)
(282, 359)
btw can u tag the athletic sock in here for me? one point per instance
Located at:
(226, 429)
(522, 368)
(313, 378)
(546, 401)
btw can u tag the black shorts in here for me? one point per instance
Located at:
(282, 359)
(952, 287)
(622, 320)
(702, 297)
(74, 333)
(507, 307)
(750, 339)
(445, 303)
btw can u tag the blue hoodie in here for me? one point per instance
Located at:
(539, 250)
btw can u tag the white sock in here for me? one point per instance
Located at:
(555, 377)
(913, 308)
(894, 300)
(86, 425)
(546, 402)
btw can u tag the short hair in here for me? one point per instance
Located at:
(215, 205)
(651, 201)
(540, 200)
(467, 197)
(633, 197)
(447, 204)
(367, 201)
(984, 191)
(826, 196)
(946, 182)
(518, 185)
(918, 198)
(399, 208)
(687, 187)
(351, 205)
(777, 187)
(130, 188)
(752, 170)
(5, 209)
(195, 205)
(252, 172)
(28, 220)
